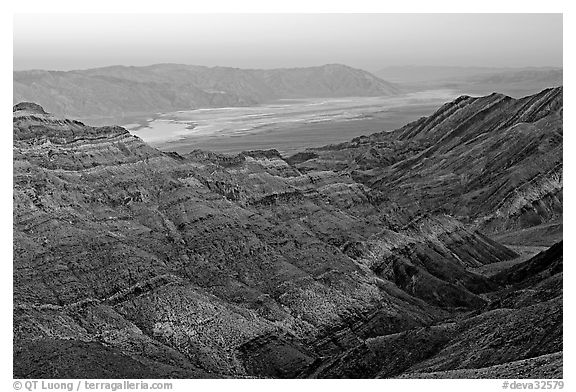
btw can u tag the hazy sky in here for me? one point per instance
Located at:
(369, 41)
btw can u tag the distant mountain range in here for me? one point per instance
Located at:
(517, 82)
(103, 95)
(120, 90)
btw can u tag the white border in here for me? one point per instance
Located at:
(302, 6)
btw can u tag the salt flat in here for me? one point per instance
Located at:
(287, 125)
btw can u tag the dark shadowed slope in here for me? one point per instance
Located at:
(120, 91)
(492, 343)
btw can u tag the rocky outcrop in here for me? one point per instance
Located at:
(29, 107)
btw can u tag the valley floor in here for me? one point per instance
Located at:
(288, 125)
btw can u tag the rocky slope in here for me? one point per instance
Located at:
(492, 343)
(494, 161)
(542, 367)
(131, 262)
(120, 91)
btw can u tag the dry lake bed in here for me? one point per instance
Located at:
(286, 125)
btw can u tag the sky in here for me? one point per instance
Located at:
(367, 41)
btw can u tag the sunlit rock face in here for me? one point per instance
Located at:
(136, 263)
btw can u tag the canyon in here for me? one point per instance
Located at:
(418, 252)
